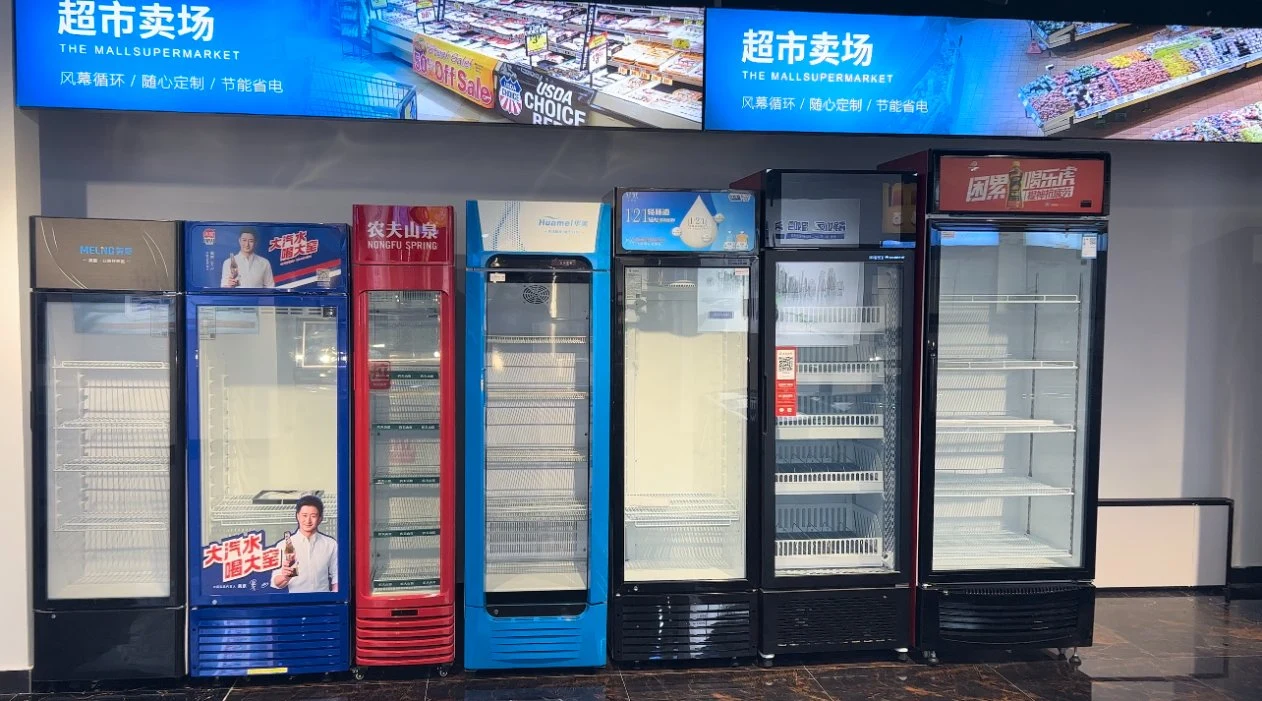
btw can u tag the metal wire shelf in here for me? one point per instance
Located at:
(405, 517)
(536, 507)
(395, 574)
(978, 485)
(405, 475)
(826, 426)
(240, 510)
(115, 521)
(112, 465)
(982, 544)
(681, 510)
(534, 455)
(987, 365)
(110, 365)
(829, 553)
(830, 482)
(540, 340)
(850, 373)
(949, 300)
(1003, 424)
(541, 393)
(88, 423)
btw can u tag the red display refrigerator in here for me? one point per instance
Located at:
(404, 405)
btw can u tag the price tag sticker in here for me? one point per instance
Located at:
(682, 44)
(1090, 246)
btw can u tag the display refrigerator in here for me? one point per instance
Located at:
(405, 449)
(537, 294)
(268, 459)
(1014, 288)
(108, 474)
(838, 385)
(685, 426)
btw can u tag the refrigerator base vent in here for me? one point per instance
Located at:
(492, 642)
(240, 641)
(647, 628)
(835, 620)
(402, 636)
(1032, 615)
(129, 644)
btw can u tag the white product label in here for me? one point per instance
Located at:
(1090, 244)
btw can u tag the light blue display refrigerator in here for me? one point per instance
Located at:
(269, 473)
(536, 434)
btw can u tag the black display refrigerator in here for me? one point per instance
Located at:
(837, 342)
(1014, 308)
(108, 476)
(685, 425)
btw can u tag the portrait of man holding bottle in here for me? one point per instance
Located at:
(245, 268)
(308, 557)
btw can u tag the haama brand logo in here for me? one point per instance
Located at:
(208, 236)
(510, 95)
(293, 246)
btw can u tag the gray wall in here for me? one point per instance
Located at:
(1180, 415)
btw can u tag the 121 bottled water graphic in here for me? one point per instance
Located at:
(697, 221)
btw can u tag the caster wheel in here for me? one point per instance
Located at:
(931, 659)
(766, 662)
(1060, 653)
(904, 657)
(359, 674)
(1075, 660)
(444, 670)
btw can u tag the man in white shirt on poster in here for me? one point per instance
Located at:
(313, 565)
(246, 268)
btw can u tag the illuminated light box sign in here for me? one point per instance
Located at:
(530, 61)
(842, 73)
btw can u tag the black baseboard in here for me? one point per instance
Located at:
(15, 682)
(1246, 575)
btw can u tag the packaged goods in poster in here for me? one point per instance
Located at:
(259, 257)
(466, 73)
(300, 560)
(400, 234)
(685, 220)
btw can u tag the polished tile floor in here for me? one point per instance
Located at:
(1147, 648)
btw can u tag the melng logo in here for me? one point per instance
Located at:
(510, 95)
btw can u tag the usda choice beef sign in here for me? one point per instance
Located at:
(527, 96)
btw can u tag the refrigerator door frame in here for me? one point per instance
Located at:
(474, 483)
(39, 443)
(193, 456)
(753, 458)
(906, 257)
(928, 429)
(437, 278)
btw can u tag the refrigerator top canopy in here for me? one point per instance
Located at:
(685, 221)
(384, 234)
(104, 254)
(1021, 184)
(262, 258)
(497, 227)
(819, 209)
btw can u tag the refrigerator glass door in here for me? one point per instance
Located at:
(267, 392)
(838, 373)
(1014, 319)
(404, 446)
(108, 436)
(686, 350)
(537, 378)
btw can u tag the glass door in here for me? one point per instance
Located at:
(268, 403)
(1014, 313)
(404, 445)
(838, 378)
(537, 378)
(107, 430)
(686, 430)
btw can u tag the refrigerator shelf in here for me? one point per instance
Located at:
(535, 507)
(406, 517)
(88, 464)
(107, 423)
(831, 482)
(110, 365)
(1001, 425)
(949, 300)
(846, 373)
(534, 455)
(539, 340)
(240, 510)
(973, 485)
(681, 510)
(410, 573)
(828, 553)
(559, 393)
(988, 365)
(405, 475)
(981, 544)
(830, 426)
(116, 521)
(393, 427)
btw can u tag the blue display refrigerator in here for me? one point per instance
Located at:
(536, 434)
(268, 441)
